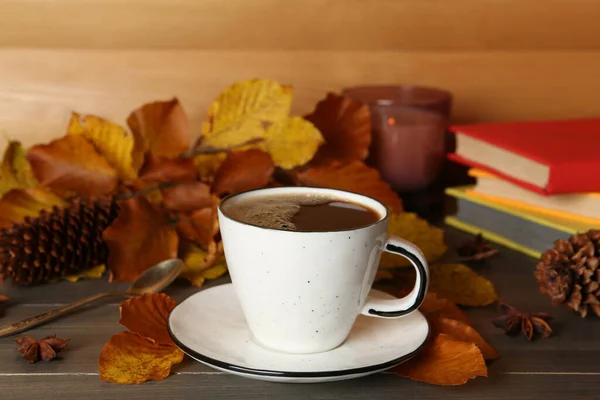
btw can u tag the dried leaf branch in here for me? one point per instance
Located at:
(207, 149)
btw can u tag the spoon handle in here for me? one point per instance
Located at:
(28, 323)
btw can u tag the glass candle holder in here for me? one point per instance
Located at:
(409, 132)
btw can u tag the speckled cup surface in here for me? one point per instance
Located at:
(301, 292)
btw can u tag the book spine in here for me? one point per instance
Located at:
(522, 231)
(574, 177)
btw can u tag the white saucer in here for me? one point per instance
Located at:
(209, 327)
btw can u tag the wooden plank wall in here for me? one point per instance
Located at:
(502, 59)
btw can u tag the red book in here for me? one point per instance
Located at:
(548, 157)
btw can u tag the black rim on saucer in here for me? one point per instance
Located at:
(290, 374)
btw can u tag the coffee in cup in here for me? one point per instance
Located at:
(302, 213)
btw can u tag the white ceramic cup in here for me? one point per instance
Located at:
(301, 292)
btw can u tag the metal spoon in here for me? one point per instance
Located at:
(153, 280)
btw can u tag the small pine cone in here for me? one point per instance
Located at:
(61, 241)
(569, 273)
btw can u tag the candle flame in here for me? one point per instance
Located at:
(391, 121)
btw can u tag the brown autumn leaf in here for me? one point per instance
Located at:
(147, 316)
(346, 126)
(462, 285)
(243, 170)
(139, 237)
(161, 128)
(200, 226)
(434, 307)
(72, 164)
(460, 331)
(445, 361)
(409, 226)
(188, 196)
(352, 177)
(20, 203)
(129, 358)
(163, 169)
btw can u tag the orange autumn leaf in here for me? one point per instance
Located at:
(147, 316)
(243, 170)
(128, 358)
(188, 196)
(138, 238)
(72, 164)
(199, 226)
(460, 331)
(445, 361)
(161, 128)
(346, 126)
(434, 307)
(20, 203)
(163, 169)
(352, 177)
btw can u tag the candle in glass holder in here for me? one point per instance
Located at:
(409, 132)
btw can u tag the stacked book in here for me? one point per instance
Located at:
(536, 182)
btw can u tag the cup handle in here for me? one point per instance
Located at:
(385, 308)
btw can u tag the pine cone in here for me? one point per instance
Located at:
(59, 242)
(569, 272)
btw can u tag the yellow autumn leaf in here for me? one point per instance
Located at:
(200, 265)
(461, 285)
(208, 164)
(292, 142)
(20, 203)
(92, 273)
(15, 172)
(217, 270)
(109, 139)
(241, 112)
(426, 237)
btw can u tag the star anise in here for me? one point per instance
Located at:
(530, 324)
(45, 348)
(477, 249)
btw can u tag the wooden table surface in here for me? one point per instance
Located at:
(564, 367)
